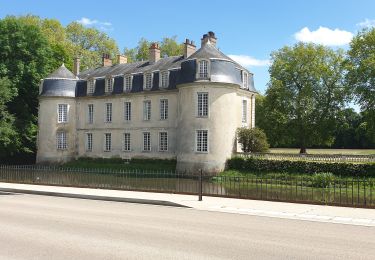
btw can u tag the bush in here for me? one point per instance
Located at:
(252, 140)
(322, 180)
(299, 167)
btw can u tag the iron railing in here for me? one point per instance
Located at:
(357, 158)
(341, 191)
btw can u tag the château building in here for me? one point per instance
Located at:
(185, 107)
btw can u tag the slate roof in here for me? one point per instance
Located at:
(61, 73)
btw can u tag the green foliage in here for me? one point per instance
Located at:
(298, 167)
(322, 180)
(305, 94)
(252, 140)
(361, 76)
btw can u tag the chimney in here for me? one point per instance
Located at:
(121, 59)
(189, 48)
(106, 60)
(76, 65)
(209, 37)
(154, 54)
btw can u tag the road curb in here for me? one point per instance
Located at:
(96, 197)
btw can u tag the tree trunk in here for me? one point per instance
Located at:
(302, 150)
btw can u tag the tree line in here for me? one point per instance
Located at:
(305, 105)
(311, 94)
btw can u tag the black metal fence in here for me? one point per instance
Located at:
(341, 191)
(357, 158)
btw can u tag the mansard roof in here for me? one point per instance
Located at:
(61, 73)
(168, 63)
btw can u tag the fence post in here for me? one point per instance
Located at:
(200, 185)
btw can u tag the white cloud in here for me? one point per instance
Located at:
(367, 23)
(248, 61)
(95, 23)
(324, 36)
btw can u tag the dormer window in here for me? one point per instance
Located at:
(164, 79)
(147, 81)
(245, 80)
(128, 79)
(109, 85)
(203, 69)
(90, 86)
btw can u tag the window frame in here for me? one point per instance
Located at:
(107, 89)
(88, 144)
(64, 113)
(161, 73)
(164, 110)
(197, 131)
(106, 144)
(127, 88)
(164, 145)
(145, 80)
(198, 75)
(147, 110)
(61, 140)
(90, 86)
(245, 116)
(90, 114)
(124, 146)
(201, 111)
(245, 83)
(149, 142)
(127, 116)
(106, 111)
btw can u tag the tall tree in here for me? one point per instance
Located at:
(306, 91)
(361, 75)
(90, 44)
(25, 58)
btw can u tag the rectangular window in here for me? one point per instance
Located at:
(61, 141)
(163, 109)
(128, 83)
(203, 69)
(244, 111)
(127, 146)
(148, 80)
(90, 86)
(128, 111)
(245, 80)
(108, 85)
(62, 112)
(108, 112)
(147, 110)
(107, 142)
(163, 141)
(164, 75)
(202, 141)
(146, 141)
(89, 142)
(202, 104)
(90, 113)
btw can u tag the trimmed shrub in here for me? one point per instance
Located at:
(299, 167)
(252, 140)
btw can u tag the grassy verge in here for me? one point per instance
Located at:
(120, 164)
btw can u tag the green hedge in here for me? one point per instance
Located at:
(266, 165)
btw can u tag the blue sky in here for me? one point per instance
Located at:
(250, 30)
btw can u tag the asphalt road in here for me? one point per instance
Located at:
(41, 227)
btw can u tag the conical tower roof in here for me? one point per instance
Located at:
(61, 73)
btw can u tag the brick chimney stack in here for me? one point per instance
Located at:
(154, 54)
(106, 60)
(121, 59)
(189, 48)
(209, 37)
(76, 65)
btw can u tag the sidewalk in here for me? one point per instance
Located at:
(330, 214)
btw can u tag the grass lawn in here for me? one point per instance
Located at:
(324, 151)
(119, 164)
